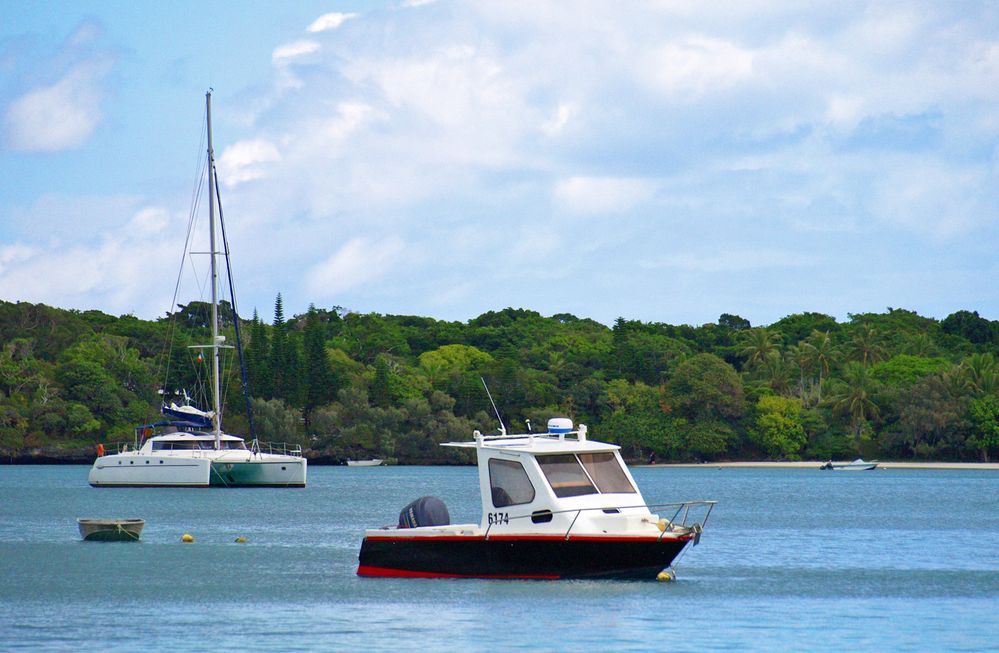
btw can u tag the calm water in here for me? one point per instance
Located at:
(791, 559)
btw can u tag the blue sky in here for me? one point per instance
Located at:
(663, 161)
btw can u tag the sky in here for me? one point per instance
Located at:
(663, 161)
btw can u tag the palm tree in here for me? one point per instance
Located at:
(866, 346)
(757, 345)
(821, 352)
(778, 373)
(856, 397)
(981, 375)
(921, 344)
(801, 356)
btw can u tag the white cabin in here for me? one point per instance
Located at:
(557, 481)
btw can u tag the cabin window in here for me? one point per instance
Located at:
(566, 475)
(606, 472)
(509, 483)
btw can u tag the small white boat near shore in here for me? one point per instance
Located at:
(110, 530)
(373, 462)
(858, 465)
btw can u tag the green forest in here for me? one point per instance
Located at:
(892, 385)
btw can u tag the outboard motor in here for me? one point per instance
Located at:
(425, 511)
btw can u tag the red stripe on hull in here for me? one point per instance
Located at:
(382, 572)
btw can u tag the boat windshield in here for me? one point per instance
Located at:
(602, 474)
(607, 473)
(566, 475)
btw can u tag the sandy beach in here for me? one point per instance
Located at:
(815, 464)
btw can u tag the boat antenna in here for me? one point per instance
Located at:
(495, 409)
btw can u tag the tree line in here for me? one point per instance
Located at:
(343, 384)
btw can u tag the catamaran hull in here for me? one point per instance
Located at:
(156, 471)
(534, 557)
(149, 471)
(280, 473)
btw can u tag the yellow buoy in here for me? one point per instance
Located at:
(240, 540)
(662, 525)
(665, 576)
(186, 537)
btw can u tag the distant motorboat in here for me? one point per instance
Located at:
(110, 530)
(858, 465)
(373, 462)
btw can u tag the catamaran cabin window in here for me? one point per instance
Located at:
(607, 473)
(509, 483)
(566, 475)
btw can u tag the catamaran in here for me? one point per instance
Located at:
(190, 449)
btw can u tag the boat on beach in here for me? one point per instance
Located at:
(554, 505)
(190, 449)
(858, 465)
(110, 530)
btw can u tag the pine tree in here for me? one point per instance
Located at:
(257, 359)
(277, 361)
(320, 382)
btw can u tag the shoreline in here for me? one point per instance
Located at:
(84, 456)
(815, 464)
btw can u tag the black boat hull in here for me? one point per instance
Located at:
(511, 556)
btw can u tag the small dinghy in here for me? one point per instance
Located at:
(554, 505)
(110, 530)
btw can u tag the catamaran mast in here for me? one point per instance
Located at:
(216, 386)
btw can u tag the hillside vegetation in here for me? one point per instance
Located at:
(891, 385)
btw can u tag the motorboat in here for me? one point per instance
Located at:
(554, 505)
(190, 449)
(858, 465)
(110, 530)
(373, 462)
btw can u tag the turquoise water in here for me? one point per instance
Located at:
(790, 560)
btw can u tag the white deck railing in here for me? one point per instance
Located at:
(683, 512)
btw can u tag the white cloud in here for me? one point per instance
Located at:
(593, 195)
(284, 54)
(14, 254)
(329, 21)
(360, 261)
(60, 116)
(124, 270)
(247, 161)
(697, 65)
(845, 111)
(559, 119)
(933, 199)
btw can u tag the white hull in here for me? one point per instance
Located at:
(374, 462)
(198, 469)
(858, 465)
